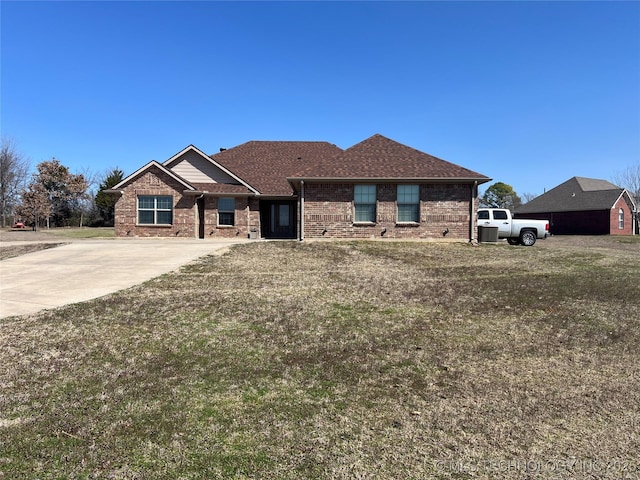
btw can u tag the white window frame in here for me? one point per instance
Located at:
(621, 218)
(155, 209)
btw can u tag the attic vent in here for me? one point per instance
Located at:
(153, 180)
(299, 158)
(222, 149)
(573, 194)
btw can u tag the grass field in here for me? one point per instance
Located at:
(81, 232)
(338, 360)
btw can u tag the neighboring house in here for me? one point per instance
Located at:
(584, 206)
(283, 189)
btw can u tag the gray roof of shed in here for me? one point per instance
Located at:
(576, 194)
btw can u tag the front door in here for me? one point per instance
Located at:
(278, 219)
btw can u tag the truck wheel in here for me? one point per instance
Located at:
(527, 238)
(513, 241)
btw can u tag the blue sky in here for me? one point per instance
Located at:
(528, 93)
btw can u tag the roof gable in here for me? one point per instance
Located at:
(379, 157)
(576, 194)
(593, 184)
(152, 164)
(194, 165)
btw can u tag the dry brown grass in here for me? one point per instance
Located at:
(338, 360)
(10, 251)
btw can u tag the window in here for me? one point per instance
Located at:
(621, 219)
(408, 203)
(283, 215)
(364, 200)
(499, 215)
(226, 211)
(155, 209)
(483, 215)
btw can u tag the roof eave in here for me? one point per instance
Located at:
(629, 197)
(391, 179)
(218, 194)
(149, 165)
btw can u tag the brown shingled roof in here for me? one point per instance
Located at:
(265, 165)
(382, 158)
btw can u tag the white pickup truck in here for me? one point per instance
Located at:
(516, 231)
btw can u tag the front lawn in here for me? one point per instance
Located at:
(81, 232)
(337, 360)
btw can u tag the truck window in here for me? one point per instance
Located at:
(499, 215)
(483, 215)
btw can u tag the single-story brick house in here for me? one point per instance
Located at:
(583, 206)
(297, 190)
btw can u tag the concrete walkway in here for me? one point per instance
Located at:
(88, 269)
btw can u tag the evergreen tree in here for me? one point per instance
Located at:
(105, 202)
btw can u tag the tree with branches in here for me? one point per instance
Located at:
(500, 195)
(106, 202)
(63, 191)
(13, 177)
(35, 207)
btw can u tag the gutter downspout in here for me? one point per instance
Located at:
(472, 211)
(301, 210)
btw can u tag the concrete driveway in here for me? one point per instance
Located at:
(88, 269)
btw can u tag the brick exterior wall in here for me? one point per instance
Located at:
(614, 221)
(185, 211)
(155, 182)
(329, 212)
(245, 218)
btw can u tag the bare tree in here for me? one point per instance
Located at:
(527, 197)
(35, 206)
(629, 179)
(64, 193)
(13, 176)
